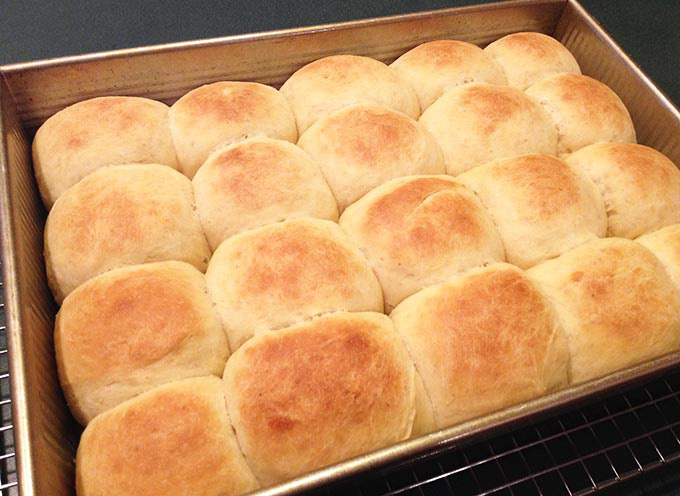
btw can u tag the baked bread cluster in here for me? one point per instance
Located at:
(370, 253)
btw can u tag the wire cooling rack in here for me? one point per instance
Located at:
(594, 448)
(597, 447)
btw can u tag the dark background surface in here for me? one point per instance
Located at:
(30, 30)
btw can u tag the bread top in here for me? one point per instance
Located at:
(528, 57)
(584, 110)
(175, 439)
(318, 393)
(362, 146)
(541, 206)
(640, 186)
(331, 83)
(436, 66)
(476, 123)
(102, 131)
(665, 244)
(483, 341)
(421, 230)
(118, 216)
(226, 112)
(616, 303)
(133, 328)
(256, 182)
(277, 275)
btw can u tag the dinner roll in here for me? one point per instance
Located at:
(616, 303)
(436, 66)
(131, 329)
(476, 123)
(256, 182)
(665, 244)
(640, 186)
(331, 83)
(361, 147)
(421, 230)
(318, 393)
(481, 342)
(174, 439)
(526, 58)
(226, 112)
(93, 133)
(584, 111)
(277, 275)
(540, 205)
(118, 216)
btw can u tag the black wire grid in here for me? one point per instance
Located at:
(578, 452)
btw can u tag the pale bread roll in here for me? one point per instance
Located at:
(476, 123)
(331, 83)
(226, 112)
(122, 215)
(436, 66)
(277, 275)
(528, 57)
(541, 206)
(318, 393)
(131, 329)
(616, 302)
(361, 147)
(174, 439)
(421, 230)
(584, 110)
(257, 182)
(103, 131)
(665, 244)
(640, 186)
(481, 342)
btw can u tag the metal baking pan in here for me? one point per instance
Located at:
(46, 434)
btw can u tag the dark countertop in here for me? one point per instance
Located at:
(32, 29)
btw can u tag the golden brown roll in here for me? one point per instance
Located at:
(277, 275)
(436, 66)
(226, 112)
(584, 110)
(616, 303)
(103, 131)
(476, 123)
(362, 146)
(481, 342)
(131, 329)
(541, 206)
(331, 83)
(528, 57)
(665, 244)
(174, 439)
(257, 182)
(318, 393)
(640, 186)
(421, 230)
(118, 216)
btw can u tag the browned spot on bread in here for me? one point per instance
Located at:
(533, 44)
(330, 374)
(443, 53)
(126, 323)
(588, 94)
(373, 137)
(292, 263)
(226, 101)
(642, 164)
(424, 217)
(547, 183)
(338, 68)
(254, 175)
(483, 322)
(493, 105)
